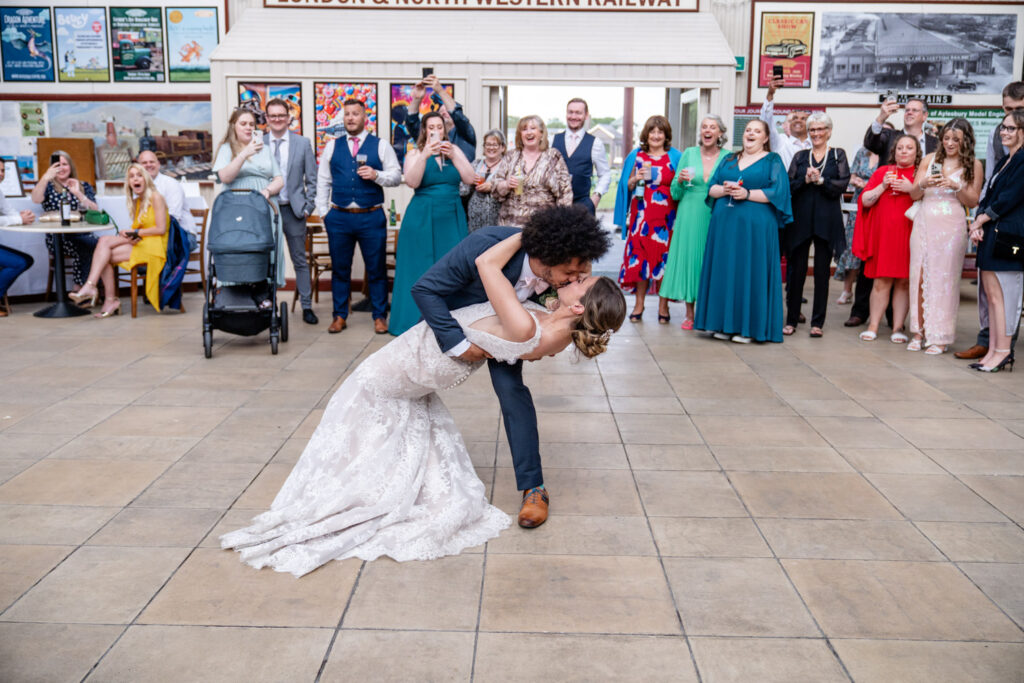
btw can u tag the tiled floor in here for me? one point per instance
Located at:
(820, 510)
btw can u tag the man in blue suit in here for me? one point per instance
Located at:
(559, 244)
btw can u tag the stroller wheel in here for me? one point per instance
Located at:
(207, 343)
(284, 321)
(273, 344)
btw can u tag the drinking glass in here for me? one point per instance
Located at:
(692, 171)
(360, 160)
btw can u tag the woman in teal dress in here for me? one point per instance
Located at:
(434, 221)
(690, 188)
(740, 296)
(243, 162)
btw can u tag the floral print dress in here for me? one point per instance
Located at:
(650, 224)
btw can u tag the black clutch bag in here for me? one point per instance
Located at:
(1008, 246)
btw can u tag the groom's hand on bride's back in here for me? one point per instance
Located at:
(473, 354)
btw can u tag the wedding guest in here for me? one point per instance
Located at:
(848, 265)
(583, 154)
(483, 206)
(532, 176)
(434, 221)
(690, 231)
(1003, 207)
(817, 179)
(794, 137)
(173, 193)
(243, 162)
(456, 124)
(652, 211)
(882, 236)
(61, 179)
(350, 197)
(740, 296)
(12, 262)
(880, 139)
(145, 243)
(938, 241)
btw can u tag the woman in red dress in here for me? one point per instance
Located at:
(651, 215)
(882, 236)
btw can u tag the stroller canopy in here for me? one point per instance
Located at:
(240, 222)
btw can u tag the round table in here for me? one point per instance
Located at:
(61, 309)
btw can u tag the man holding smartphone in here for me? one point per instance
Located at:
(785, 145)
(460, 130)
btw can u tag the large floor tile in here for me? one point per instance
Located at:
(780, 458)
(162, 421)
(578, 535)
(757, 431)
(976, 461)
(1005, 493)
(842, 539)
(914, 600)
(441, 594)
(663, 457)
(766, 660)
(934, 497)
(884, 661)
(262, 491)
(80, 482)
(856, 432)
(51, 653)
(708, 537)
(578, 658)
(576, 594)
(199, 485)
(967, 433)
(51, 524)
(30, 446)
(688, 494)
(963, 542)
(811, 495)
(424, 656)
(21, 566)
(1000, 582)
(214, 588)
(890, 460)
(157, 527)
(65, 418)
(143, 448)
(737, 597)
(197, 653)
(98, 585)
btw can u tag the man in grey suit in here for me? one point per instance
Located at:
(294, 155)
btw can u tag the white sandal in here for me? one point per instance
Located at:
(914, 345)
(899, 337)
(868, 335)
(935, 350)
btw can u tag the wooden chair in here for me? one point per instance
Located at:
(201, 217)
(7, 304)
(317, 254)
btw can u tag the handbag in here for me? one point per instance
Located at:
(96, 217)
(911, 213)
(1008, 246)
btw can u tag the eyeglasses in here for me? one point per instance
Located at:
(1008, 129)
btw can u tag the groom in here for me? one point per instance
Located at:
(559, 244)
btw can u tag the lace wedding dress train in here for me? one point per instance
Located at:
(386, 472)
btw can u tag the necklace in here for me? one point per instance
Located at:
(824, 160)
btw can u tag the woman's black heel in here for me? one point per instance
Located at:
(1004, 364)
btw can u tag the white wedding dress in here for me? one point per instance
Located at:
(386, 472)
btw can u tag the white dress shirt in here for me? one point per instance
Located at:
(389, 176)
(526, 286)
(282, 196)
(8, 214)
(173, 193)
(598, 158)
(786, 146)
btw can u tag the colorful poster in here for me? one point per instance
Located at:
(984, 122)
(81, 44)
(33, 119)
(26, 43)
(254, 96)
(191, 36)
(330, 98)
(786, 40)
(401, 103)
(137, 44)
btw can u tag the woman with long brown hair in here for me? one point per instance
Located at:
(434, 221)
(949, 184)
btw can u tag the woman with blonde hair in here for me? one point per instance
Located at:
(532, 176)
(145, 243)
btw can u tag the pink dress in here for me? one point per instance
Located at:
(938, 243)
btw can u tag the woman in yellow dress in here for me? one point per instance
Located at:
(145, 243)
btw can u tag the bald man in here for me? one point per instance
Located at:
(172, 192)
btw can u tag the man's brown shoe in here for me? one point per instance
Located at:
(380, 325)
(534, 511)
(337, 326)
(976, 351)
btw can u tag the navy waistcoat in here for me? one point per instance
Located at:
(581, 164)
(346, 186)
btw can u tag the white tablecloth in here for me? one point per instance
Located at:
(34, 280)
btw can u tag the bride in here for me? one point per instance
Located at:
(386, 472)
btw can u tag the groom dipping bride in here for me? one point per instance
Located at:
(386, 472)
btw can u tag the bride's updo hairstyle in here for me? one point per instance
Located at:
(604, 310)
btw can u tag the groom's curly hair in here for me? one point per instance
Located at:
(558, 234)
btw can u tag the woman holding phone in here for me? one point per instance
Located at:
(434, 221)
(949, 184)
(483, 206)
(59, 181)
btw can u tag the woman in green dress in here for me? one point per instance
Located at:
(690, 189)
(434, 221)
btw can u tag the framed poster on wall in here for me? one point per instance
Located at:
(254, 96)
(137, 44)
(26, 42)
(786, 41)
(329, 100)
(191, 36)
(81, 44)
(948, 53)
(402, 105)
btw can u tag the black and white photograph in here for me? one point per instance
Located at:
(923, 52)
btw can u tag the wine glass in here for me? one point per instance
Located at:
(692, 171)
(738, 183)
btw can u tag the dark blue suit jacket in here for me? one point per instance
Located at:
(453, 282)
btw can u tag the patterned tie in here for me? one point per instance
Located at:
(571, 144)
(355, 146)
(277, 151)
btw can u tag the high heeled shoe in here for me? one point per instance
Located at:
(116, 310)
(1004, 364)
(80, 296)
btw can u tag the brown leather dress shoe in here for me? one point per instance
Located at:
(854, 321)
(337, 326)
(976, 351)
(534, 511)
(380, 325)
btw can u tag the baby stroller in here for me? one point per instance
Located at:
(241, 291)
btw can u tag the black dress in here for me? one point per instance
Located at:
(1004, 204)
(817, 220)
(77, 246)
